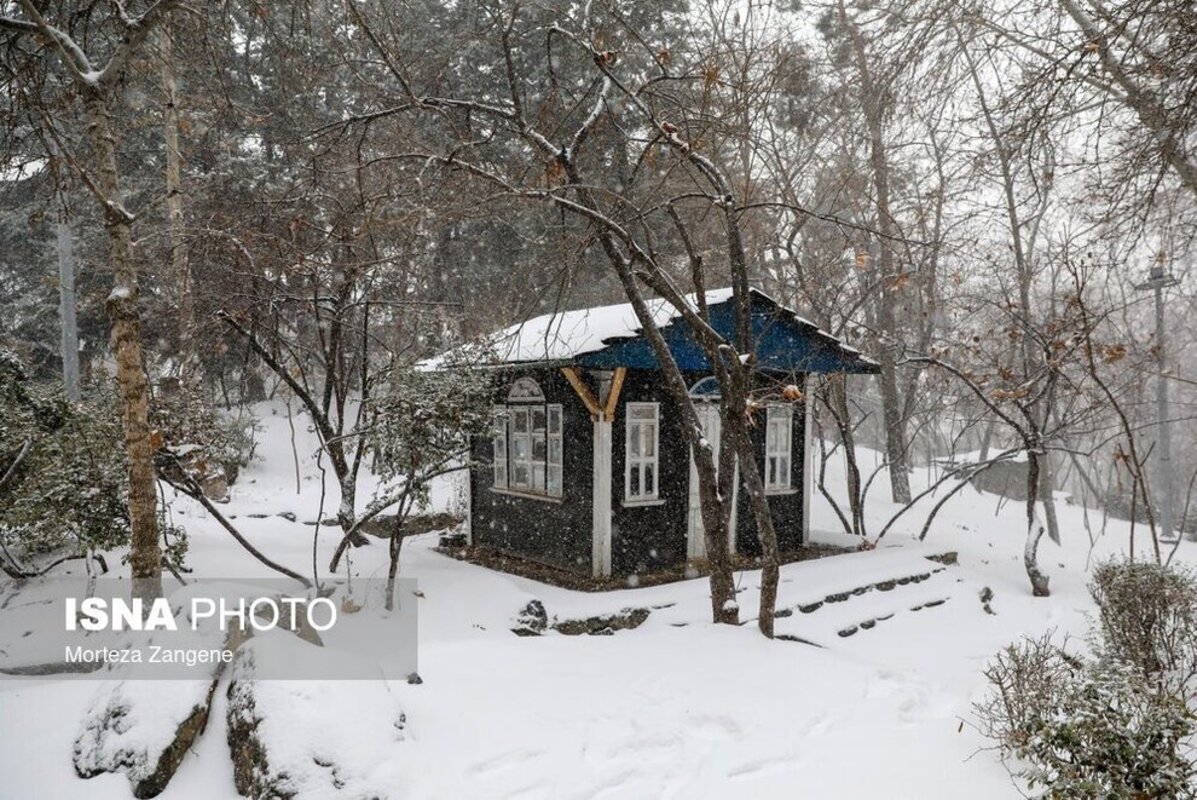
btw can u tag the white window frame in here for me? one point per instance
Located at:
(542, 465)
(516, 439)
(641, 464)
(555, 452)
(498, 439)
(779, 449)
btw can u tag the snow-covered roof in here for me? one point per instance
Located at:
(564, 337)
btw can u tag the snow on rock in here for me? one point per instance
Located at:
(532, 620)
(144, 728)
(603, 625)
(310, 739)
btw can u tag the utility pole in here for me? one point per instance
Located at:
(1157, 281)
(66, 301)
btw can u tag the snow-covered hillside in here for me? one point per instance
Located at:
(873, 703)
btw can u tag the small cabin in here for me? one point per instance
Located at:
(587, 467)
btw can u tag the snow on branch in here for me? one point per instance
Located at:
(137, 30)
(71, 52)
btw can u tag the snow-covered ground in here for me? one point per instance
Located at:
(675, 708)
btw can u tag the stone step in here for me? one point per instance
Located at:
(843, 616)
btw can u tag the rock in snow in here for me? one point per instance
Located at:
(142, 728)
(532, 621)
(310, 739)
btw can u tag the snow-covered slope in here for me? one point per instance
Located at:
(871, 706)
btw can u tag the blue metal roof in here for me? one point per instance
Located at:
(782, 342)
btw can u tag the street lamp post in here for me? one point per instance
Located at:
(1157, 281)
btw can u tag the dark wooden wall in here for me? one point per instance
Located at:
(786, 508)
(648, 538)
(644, 538)
(551, 531)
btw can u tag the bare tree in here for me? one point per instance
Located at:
(1024, 231)
(874, 98)
(677, 184)
(97, 86)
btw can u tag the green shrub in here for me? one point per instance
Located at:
(1107, 734)
(1115, 725)
(66, 482)
(1147, 617)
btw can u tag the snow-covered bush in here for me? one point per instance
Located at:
(423, 425)
(1107, 734)
(187, 419)
(1147, 617)
(62, 473)
(1024, 678)
(419, 431)
(1114, 725)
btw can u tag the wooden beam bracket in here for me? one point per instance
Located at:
(583, 391)
(613, 394)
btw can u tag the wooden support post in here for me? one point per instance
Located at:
(808, 473)
(601, 500)
(601, 416)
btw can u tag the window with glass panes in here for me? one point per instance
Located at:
(528, 447)
(779, 424)
(641, 473)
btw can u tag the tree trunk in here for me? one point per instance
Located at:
(759, 503)
(1039, 580)
(895, 429)
(180, 266)
(1039, 481)
(395, 545)
(735, 419)
(839, 396)
(145, 555)
(736, 380)
(66, 296)
(716, 503)
(714, 486)
(1030, 554)
(886, 275)
(347, 510)
(715, 506)
(1047, 491)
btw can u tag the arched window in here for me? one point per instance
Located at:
(706, 389)
(528, 443)
(525, 390)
